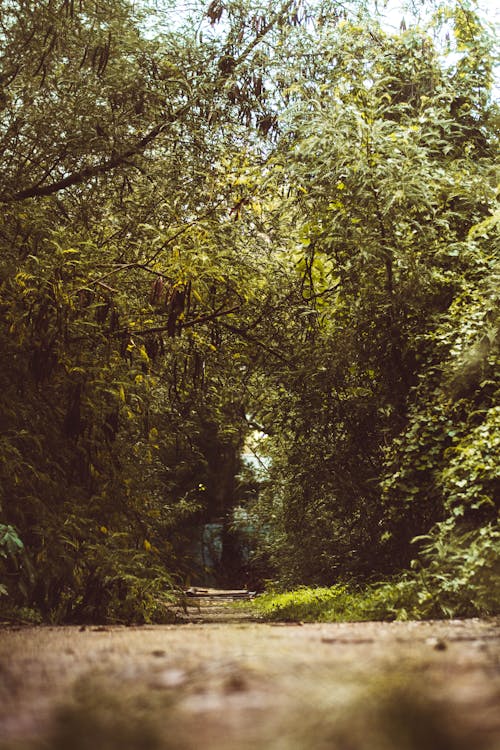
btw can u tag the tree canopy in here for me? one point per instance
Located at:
(248, 223)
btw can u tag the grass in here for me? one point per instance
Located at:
(339, 603)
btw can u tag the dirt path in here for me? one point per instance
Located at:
(215, 606)
(226, 686)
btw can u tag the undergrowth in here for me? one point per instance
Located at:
(334, 604)
(403, 599)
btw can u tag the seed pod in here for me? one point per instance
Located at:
(152, 346)
(104, 57)
(156, 292)
(215, 10)
(84, 58)
(227, 64)
(176, 305)
(114, 320)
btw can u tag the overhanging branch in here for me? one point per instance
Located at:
(188, 323)
(253, 340)
(76, 178)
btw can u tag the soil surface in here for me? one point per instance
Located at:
(219, 681)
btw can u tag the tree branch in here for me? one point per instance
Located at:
(37, 191)
(262, 33)
(188, 323)
(241, 332)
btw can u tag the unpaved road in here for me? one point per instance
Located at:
(241, 685)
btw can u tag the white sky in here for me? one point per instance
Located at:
(395, 10)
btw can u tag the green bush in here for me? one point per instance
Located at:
(335, 604)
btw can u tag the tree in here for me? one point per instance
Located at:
(121, 256)
(387, 178)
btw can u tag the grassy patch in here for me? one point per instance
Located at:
(337, 603)
(341, 603)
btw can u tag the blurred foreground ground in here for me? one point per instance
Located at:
(226, 685)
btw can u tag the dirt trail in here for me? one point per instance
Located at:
(208, 605)
(226, 685)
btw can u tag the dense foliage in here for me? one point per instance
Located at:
(397, 374)
(248, 225)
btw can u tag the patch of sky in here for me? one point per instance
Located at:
(254, 454)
